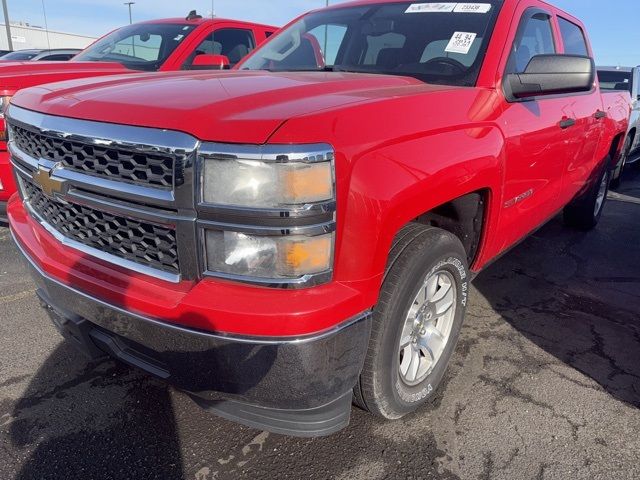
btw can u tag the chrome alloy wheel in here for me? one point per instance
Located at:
(427, 327)
(602, 192)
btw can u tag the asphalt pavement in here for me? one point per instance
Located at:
(545, 384)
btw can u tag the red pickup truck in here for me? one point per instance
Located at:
(191, 43)
(301, 232)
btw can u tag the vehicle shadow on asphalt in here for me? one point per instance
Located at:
(105, 419)
(92, 419)
(577, 296)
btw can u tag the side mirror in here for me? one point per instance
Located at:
(552, 74)
(206, 61)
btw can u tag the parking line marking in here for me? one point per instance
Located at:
(623, 198)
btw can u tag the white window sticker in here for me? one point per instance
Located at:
(430, 7)
(473, 8)
(461, 42)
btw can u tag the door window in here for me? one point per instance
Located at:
(534, 37)
(573, 38)
(234, 43)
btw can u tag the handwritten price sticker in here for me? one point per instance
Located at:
(461, 42)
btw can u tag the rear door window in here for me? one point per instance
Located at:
(573, 38)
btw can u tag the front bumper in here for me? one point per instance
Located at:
(298, 386)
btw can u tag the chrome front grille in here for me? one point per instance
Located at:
(108, 161)
(119, 193)
(141, 242)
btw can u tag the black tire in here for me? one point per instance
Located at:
(418, 252)
(616, 176)
(582, 213)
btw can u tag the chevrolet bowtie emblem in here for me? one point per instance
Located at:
(49, 185)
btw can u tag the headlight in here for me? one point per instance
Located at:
(268, 257)
(295, 175)
(280, 201)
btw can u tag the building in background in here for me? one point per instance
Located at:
(24, 36)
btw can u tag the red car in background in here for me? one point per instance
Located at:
(191, 43)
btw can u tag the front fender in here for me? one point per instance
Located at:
(395, 162)
(396, 184)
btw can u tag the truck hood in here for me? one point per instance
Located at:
(17, 75)
(234, 107)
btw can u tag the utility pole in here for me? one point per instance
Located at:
(326, 34)
(213, 8)
(46, 26)
(6, 21)
(129, 5)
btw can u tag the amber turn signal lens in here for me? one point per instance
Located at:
(311, 255)
(308, 183)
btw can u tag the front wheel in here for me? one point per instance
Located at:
(416, 322)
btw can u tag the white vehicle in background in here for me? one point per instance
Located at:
(616, 79)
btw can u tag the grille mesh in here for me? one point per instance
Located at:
(144, 243)
(142, 168)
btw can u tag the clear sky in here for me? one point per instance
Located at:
(612, 24)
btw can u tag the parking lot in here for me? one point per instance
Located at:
(545, 383)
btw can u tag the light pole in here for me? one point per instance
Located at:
(6, 22)
(129, 5)
(46, 26)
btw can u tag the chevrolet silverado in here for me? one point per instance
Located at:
(301, 232)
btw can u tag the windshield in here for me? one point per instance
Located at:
(19, 56)
(144, 46)
(615, 80)
(441, 43)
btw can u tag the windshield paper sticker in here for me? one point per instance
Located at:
(461, 42)
(472, 8)
(448, 7)
(430, 7)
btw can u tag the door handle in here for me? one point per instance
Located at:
(567, 123)
(600, 114)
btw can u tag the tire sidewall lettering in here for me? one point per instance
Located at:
(458, 266)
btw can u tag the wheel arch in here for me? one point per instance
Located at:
(632, 135)
(615, 150)
(465, 217)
